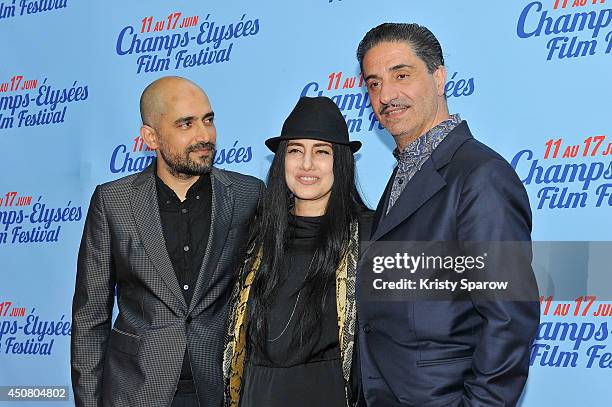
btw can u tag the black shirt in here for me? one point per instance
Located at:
(281, 317)
(186, 226)
(290, 369)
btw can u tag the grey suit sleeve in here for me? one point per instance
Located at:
(92, 306)
(262, 191)
(494, 207)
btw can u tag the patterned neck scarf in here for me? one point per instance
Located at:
(412, 157)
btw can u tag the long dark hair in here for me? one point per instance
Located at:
(270, 231)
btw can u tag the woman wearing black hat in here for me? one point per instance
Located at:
(290, 340)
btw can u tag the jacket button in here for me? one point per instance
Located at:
(189, 319)
(367, 329)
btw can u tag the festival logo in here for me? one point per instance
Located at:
(573, 28)
(27, 102)
(24, 220)
(16, 8)
(135, 157)
(569, 176)
(457, 86)
(234, 154)
(176, 41)
(351, 96)
(25, 332)
(575, 343)
(349, 93)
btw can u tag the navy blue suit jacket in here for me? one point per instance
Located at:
(451, 353)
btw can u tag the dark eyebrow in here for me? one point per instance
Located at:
(316, 145)
(393, 68)
(400, 66)
(185, 119)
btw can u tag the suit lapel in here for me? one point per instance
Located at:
(145, 209)
(220, 221)
(423, 185)
(380, 209)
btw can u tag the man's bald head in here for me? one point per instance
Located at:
(178, 123)
(159, 93)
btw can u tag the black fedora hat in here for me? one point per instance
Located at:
(315, 118)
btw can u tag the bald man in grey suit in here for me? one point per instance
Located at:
(169, 240)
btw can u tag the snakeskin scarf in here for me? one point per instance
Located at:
(235, 357)
(411, 158)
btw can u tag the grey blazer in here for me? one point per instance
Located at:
(138, 361)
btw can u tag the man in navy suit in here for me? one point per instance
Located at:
(447, 187)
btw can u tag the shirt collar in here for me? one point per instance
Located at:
(427, 142)
(168, 194)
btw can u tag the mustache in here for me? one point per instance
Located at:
(201, 146)
(393, 104)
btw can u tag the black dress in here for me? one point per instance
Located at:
(293, 375)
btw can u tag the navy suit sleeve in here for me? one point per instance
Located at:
(92, 306)
(494, 207)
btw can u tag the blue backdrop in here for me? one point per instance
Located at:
(532, 78)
